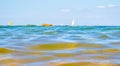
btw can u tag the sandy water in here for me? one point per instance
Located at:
(60, 46)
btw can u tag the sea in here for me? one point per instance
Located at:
(59, 45)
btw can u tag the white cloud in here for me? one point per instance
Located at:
(100, 7)
(92, 16)
(65, 10)
(107, 6)
(111, 6)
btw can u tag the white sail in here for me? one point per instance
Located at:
(73, 22)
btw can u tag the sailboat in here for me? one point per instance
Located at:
(73, 22)
(10, 23)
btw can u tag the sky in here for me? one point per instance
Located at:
(60, 12)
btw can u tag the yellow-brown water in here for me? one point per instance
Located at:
(59, 46)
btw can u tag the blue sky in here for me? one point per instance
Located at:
(60, 12)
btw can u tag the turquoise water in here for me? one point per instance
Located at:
(37, 45)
